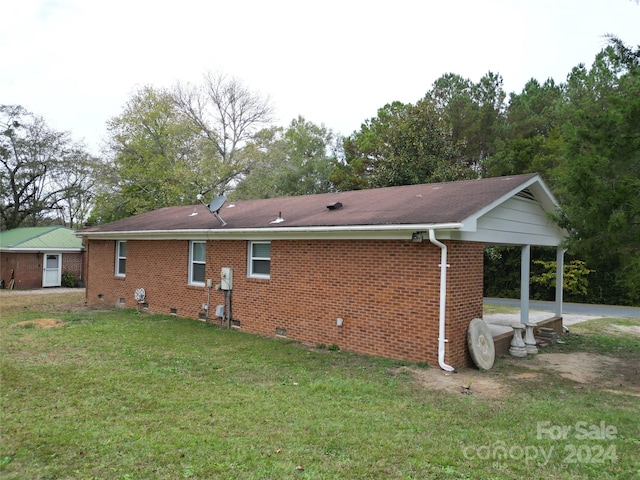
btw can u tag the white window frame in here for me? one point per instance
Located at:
(251, 258)
(118, 273)
(192, 262)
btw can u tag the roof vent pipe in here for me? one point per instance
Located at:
(279, 219)
(443, 300)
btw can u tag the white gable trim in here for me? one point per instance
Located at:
(515, 219)
(541, 192)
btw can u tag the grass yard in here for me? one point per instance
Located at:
(492, 308)
(121, 395)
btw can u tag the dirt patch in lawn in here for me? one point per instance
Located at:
(590, 370)
(633, 330)
(463, 382)
(40, 323)
(606, 372)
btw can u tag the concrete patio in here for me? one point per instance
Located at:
(502, 332)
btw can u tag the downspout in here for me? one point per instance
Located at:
(443, 300)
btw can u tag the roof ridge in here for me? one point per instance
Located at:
(43, 232)
(389, 187)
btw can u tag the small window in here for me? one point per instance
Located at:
(121, 258)
(197, 263)
(259, 259)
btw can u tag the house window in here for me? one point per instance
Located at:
(259, 259)
(121, 258)
(197, 262)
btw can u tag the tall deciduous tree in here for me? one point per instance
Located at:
(77, 187)
(44, 172)
(224, 114)
(169, 145)
(155, 159)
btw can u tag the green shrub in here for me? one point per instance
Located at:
(69, 279)
(574, 279)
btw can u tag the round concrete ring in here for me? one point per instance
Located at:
(480, 342)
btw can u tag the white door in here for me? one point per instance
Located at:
(51, 273)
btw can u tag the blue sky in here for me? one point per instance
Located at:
(335, 62)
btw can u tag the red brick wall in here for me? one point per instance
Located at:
(73, 262)
(28, 268)
(387, 292)
(160, 267)
(464, 295)
(25, 266)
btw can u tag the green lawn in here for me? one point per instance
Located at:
(493, 308)
(118, 395)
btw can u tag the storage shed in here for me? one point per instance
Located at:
(395, 272)
(36, 257)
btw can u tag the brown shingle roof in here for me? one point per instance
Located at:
(434, 203)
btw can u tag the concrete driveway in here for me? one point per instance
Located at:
(571, 309)
(42, 291)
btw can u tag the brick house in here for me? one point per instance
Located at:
(395, 272)
(36, 257)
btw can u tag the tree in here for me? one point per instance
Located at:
(421, 149)
(474, 112)
(295, 161)
(624, 54)
(225, 115)
(77, 188)
(405, 144)
(155, 158)
(43, 172)
(600, 177)
(366, 148)
(169, 145)
(531, 137)
(534, 111)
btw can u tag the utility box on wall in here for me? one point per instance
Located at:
(226, 278)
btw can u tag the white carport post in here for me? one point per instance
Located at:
(559, 279)
(525, 271)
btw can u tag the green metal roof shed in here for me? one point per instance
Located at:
(37, 257)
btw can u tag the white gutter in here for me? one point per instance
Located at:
(41, 250)
(266, 231)
(443, 300)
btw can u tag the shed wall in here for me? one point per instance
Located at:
(387, 292)
(27, 268)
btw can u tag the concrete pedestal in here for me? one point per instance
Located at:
(518, 348)
(530, 339)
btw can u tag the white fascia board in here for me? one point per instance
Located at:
(505, 238)
(545, 196)
(354, 232)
